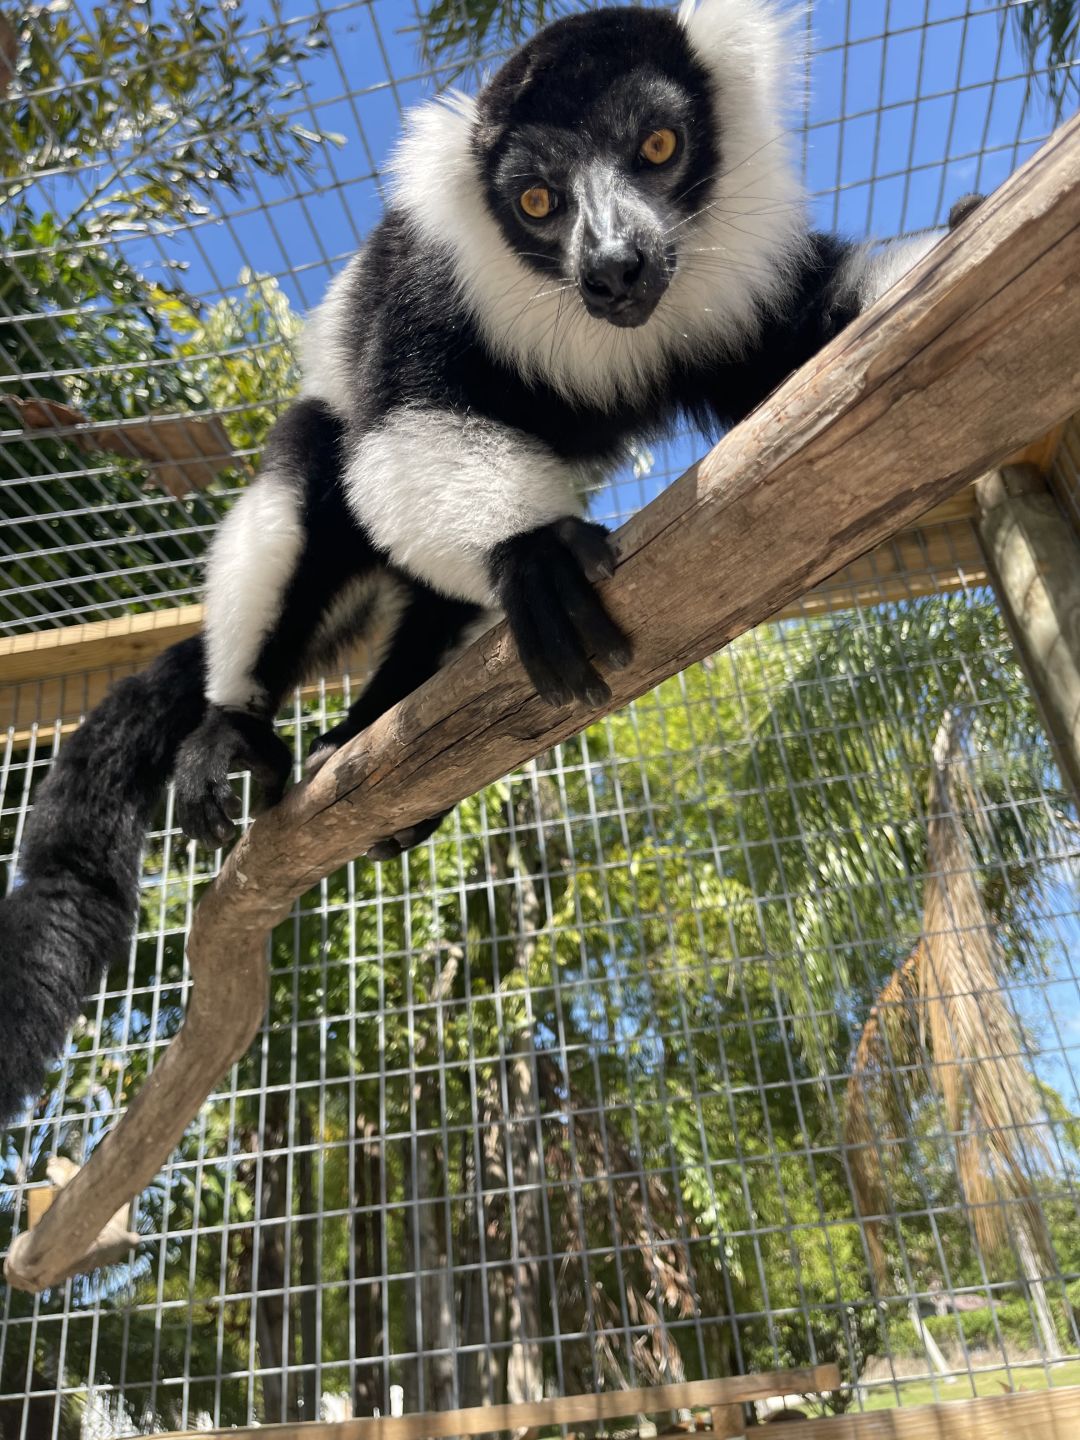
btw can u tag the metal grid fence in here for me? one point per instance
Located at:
(623, 1077)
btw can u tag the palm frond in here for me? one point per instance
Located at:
(946, 1004)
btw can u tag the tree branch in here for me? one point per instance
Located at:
(971, 356)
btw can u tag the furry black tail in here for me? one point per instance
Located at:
(73, 907)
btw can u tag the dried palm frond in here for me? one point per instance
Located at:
(945, 1003)
(878, 1094)
(990, 1098)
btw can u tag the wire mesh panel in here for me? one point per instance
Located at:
(740, 1032)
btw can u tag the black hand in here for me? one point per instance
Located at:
(543, 582)
(206, 806)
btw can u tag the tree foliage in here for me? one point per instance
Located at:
(123, 121)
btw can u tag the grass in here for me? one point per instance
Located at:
(995, 1381)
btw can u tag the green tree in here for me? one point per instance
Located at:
(136, 119)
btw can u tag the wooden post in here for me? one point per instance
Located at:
(728, 1421)
(973, 354)
(1033, 556)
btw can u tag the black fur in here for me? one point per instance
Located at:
(542, 579)
(72, 912)
(308, 443)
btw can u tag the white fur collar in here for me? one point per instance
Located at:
(736, 254)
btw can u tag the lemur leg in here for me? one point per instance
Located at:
(289, 572)
(488, 514)
(430, 629)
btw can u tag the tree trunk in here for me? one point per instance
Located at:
(524, 1368)
(426, 1222)
(309, 1269)
(272, 1320)
(929, 1344)
(367, 1243)
(483, 1369)
(1036, 1289)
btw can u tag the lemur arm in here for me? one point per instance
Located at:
(486, 513)
(833, 281)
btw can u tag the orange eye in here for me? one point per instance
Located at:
(537, 202)
(659, 147)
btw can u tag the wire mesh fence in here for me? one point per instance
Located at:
(740, 1032)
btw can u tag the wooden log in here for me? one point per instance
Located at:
(971, 356)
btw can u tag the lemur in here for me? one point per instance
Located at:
(610, 237)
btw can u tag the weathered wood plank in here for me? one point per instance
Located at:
(968, 358)
(126, 640)
(559, 1410)
(1034, 1415)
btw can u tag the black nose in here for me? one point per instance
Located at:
(612, 273)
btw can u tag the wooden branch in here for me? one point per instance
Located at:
(50, 679)
(559, 1410)
(968, 358)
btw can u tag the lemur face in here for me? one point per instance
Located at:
(597, 144)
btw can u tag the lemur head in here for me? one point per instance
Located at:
(622, 190)
(595, 141)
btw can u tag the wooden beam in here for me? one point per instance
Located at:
(973, 354)
(559, 1410)
(50, 677)
(1033, 555)
(1026, 1415)
(128, 640)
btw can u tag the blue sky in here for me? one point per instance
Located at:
(910, 104)
(901, 120)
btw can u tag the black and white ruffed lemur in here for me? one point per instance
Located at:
(610, 237)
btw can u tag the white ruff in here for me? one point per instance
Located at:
(731, 258)
(326, 356)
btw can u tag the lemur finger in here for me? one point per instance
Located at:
(227, 800)
(206, 823)
(272, 785)
(559, 646)
(402, 840)
(591, 546)
(601, 635)
(527, 572)
(421, 831)
(549, 684)
(564, 652)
